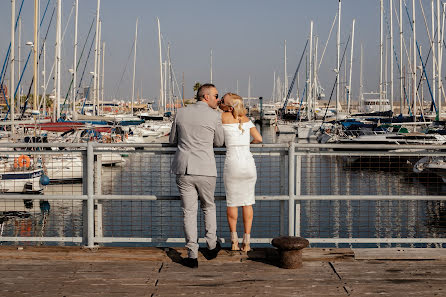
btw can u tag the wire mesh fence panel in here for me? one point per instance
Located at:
(373, 219)
(369, 175)
(341, 175)
(148, 173)
(58, 219)
(342, 195)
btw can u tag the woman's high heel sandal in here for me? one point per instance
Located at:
(245, 244)
(234, 241)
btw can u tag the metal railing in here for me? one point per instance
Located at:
(330, 194)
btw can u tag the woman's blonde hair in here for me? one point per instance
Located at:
(238, 108)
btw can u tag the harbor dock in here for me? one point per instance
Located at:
(117, 271)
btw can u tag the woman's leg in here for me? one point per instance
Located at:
(232, 213)
(247, 218)
(247, 222)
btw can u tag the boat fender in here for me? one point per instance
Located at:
(24, 161)
(44, 180)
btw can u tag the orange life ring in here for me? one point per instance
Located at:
(118, 138)
(24, 161)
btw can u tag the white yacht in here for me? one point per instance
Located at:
(371, 103)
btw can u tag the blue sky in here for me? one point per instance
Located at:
(246, 37)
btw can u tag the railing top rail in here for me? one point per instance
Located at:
(44, 145)
(298, 146)
(370, 147)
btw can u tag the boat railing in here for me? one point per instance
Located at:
(332, 194)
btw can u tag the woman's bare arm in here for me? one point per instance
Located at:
(257, 138)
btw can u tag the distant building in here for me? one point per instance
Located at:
(84, 93)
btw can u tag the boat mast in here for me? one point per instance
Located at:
(165, 85)
(285, 73)
(440, 82)
(349, 90)
(338, 43)
(381, 53)
(56, 113)
(103, 74)
(310, 85)
(19, 48)
(36, 22)
(274, 88)
(401, 58)
(169, 77)
(414, 57)
(12, 60)
(161, 100)
(361, 79)
(315, 76)
(391, 54)
(134, 65)
(438, 58)
(44, 79)
(76, 17)
(96, 70)
(386, 77)
(98, 79)
(433, 45)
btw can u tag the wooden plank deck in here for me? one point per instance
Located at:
(73, 271)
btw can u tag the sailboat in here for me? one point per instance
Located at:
(435, 165)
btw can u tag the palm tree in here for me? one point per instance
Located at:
(197, 86)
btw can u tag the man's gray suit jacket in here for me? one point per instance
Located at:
(196, 129)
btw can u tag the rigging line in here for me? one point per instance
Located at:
(1, 84)
(434, 60)
(301, 102)
(125, 69)
(6, 62)
(336, 81)
(428, 34)
(29, 55)
(68, 21)
(29, 90)
(400, 66)
(294, 78)
(88, 91)
(85, 67)
(77, 66)
(175, 80)
(52, 68)
(40, 54)
(326, 43)
(422, 63)
(32, 81)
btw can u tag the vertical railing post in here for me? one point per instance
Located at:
(84, 202)
(282, 178)
(98, 231)
(291, 183)
(298, 183)
(90, 194)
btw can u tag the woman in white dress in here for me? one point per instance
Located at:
(240, 173)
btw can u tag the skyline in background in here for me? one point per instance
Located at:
(246, 39)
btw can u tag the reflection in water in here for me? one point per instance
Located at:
(147, 173)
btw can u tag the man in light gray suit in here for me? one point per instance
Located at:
(196, 129)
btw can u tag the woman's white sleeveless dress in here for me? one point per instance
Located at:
(240, 173)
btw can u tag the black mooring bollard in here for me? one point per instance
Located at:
(290, 249)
